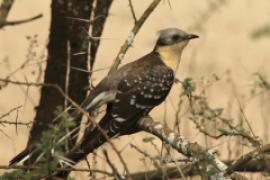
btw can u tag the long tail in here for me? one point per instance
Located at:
(90, 142)
(89, 104)
(30, 153)
(20, 157)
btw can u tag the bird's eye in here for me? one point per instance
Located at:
(176, 37)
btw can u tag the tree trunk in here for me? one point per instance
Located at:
(68, 36)
(55, 72)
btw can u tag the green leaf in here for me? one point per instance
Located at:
(148, 139)
(261, 32)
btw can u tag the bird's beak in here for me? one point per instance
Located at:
(191, 36)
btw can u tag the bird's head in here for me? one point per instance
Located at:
(170, 45)
(174, 37)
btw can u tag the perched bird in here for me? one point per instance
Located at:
(133, 91)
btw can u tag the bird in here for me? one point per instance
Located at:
(132, 91)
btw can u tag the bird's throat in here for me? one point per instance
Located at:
(171, 55)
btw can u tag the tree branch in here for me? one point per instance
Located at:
(247, 157)
(254, 165)
(132, 35)
(4, 11)
(18, 22)
(185, 147)
(32, 167)
(132, 11)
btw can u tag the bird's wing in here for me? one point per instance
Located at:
(106, 90)
(99, 99)
(138, 93)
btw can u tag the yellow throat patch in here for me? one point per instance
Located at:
(171, 54)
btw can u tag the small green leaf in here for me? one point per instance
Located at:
(261, 32)
(148, 139)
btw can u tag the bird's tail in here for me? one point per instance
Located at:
(30, 153)
(20, 157)
(91, 141)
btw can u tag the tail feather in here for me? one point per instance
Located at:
(30, 154)
(22, 156)
(90, 142)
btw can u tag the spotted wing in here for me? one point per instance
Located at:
(140, 92)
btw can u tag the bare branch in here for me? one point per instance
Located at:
(4, 11)
(132, 35)
(63, 169)
(114, 169)
(10, 111)
(132, 11)
(16, 123)
(254, 165)
(247, 157)
(184, 146)
(18, 22)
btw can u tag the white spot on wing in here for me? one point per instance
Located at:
(111, 129)
(115, 125)
(148, 96)
(140, 106)
(127, 83)
(132, 102)
(119, 119)
(97, 99)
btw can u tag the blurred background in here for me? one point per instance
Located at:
(223, 63)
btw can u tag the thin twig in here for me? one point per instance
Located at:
(10, 111)
(88, 166)
(247, 157)
(114, 169)
(17, 22)
(60, 169)
(132, 11)
(16, 123)
(132, 35)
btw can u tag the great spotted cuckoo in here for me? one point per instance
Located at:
(134, 90)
